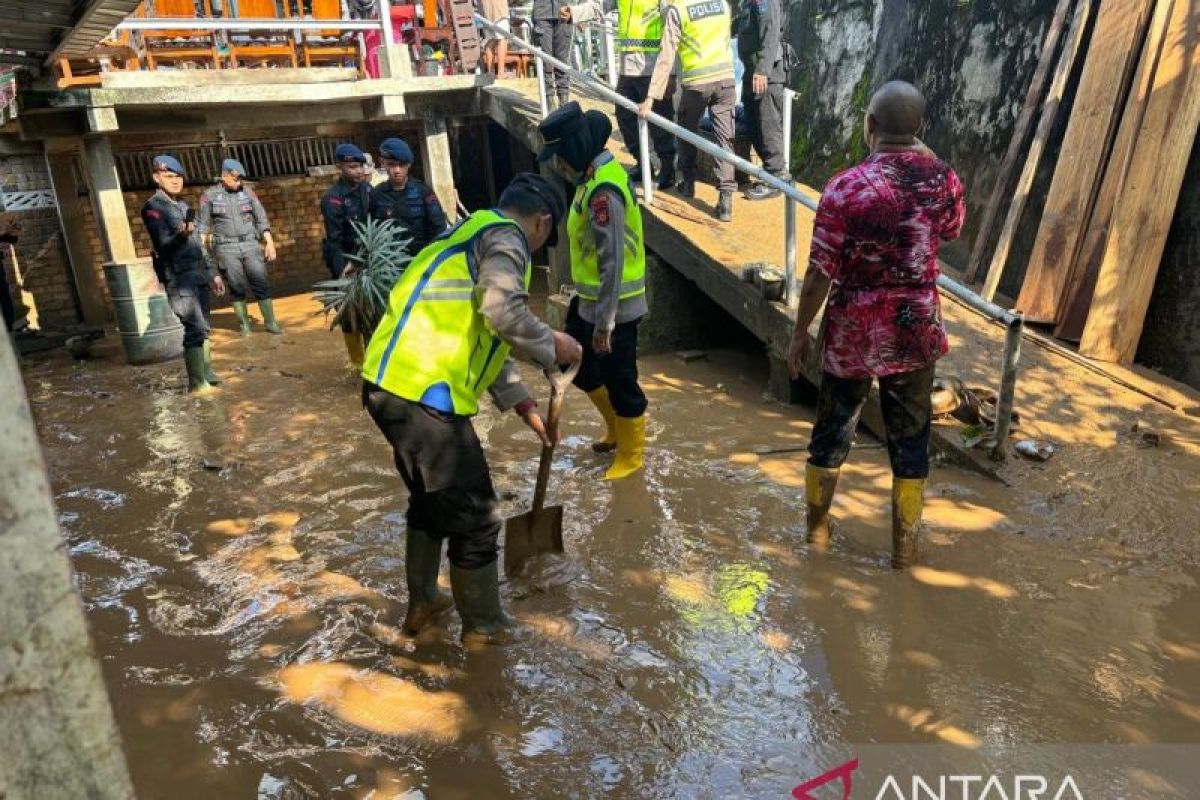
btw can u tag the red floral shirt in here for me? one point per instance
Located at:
(876, 236)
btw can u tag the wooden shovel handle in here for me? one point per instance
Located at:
(558, 392)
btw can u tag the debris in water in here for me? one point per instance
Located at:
(1144, 436)
(1036, 451)
(688, 356)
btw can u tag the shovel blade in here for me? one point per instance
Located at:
(532, 534)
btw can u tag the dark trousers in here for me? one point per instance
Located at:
(719, 98)
(440, 459)
(6, 303)
(191, 305)
(616, 371)
(764, 118)
(635, 88)
(907, 415)
(244, 268)
(555, 37)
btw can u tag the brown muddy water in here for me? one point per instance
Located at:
(233, 552)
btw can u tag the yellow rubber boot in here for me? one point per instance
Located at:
(819, 485)
(354, 349)
(603, 404)
(631, 447)
(908, 500)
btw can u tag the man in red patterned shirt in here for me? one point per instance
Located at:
(874, 255)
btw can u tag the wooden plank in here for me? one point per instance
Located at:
(1108, 68)
(1058, 86)
(1016, 145)
(1146, 206)
(1081, 282)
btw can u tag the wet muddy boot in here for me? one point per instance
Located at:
(477, 597)
(243, 315)
(603, 404)
(631, 448)
(193, 360)
(209, 374)
(908, 500)
(819, 486)
(354, 349)
(724, 210)
(422, 558)
(268, 312)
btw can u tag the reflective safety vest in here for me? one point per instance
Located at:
(585, 260)
(704, 40)
(433, 346)
(639, 26)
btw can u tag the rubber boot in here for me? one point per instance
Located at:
(209, 374)
(477, 597)
(686, 187)
(603, 404)
(819, 485)
(193, 360)
(268, 312)
(631, 448)
(422, 558)
(354, 349)
(666, 176)
(243, 315)
(725, 207)
(908, 500)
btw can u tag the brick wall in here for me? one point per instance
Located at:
(37, 266)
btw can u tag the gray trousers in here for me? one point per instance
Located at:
(555, 38)
(244, 268)
(719, 98)
(191, 305)
(764, 118)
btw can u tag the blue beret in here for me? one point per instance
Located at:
(233, 165)
(397, 149)
(169, 163)
(349, 152)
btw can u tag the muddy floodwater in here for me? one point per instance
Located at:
(233, 552)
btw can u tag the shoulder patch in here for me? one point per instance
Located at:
(153, 213)
(599, 206)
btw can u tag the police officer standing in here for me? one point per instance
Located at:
(345, 202)
(437, 350)
(180, 264)
(554, 35)
(231, 222)
(608, 268)
(764, 86)
(412, 204)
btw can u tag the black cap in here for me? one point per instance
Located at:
(561, 126)
(551, 199)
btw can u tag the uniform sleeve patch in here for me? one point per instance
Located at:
(335, 201)
(152, 214)
(601, 211)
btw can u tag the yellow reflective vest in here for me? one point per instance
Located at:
(433, 346)
(585, 260)
(704, 40)
(639, 26)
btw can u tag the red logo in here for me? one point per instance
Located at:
(845, 772)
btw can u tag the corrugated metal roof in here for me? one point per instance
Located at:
(32, 33)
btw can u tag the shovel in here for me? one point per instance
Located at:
(539, 530)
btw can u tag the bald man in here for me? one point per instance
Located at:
(874, 257)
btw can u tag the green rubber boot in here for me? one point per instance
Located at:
(477, 596)
(209, 374)
(193, 359)
(422, 559)
(268, 312)
(243, 315)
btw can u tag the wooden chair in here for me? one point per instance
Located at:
(521, 61)
(117, 50)
(263, 46)
(179, 45)
(331, 44)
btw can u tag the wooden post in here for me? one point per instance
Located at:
(57, 735)
(111, 216)
(439, 168)
(70, 216)
(1147, 204)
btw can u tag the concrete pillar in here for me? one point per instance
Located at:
(109, 204)
(60, 164)
(57, 734)
(439, 169)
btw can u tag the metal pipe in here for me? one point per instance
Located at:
(385, 19)
(240, 24)
(543, 101)
(1008, 385)
(788, 98)
(789, 253)
(644, 157)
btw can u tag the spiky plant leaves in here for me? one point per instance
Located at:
(361, 297)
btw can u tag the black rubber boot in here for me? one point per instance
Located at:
(666, 176)
(477, 596)
(422, 560)
(725, 207)
(686, 187)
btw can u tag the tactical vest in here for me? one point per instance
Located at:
(585, 260)
(433, 346)
(639, 26)
(704, 40)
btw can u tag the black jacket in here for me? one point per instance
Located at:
(341, 205)
(415, 208)
(759, 37)
(178, 257)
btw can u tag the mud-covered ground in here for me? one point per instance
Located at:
(232, 553)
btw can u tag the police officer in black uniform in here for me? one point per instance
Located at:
(346, 201)
(181, 266)
(412, 204)
(231, 222)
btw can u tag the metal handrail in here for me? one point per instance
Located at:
(1013, 322)
(247, 24)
